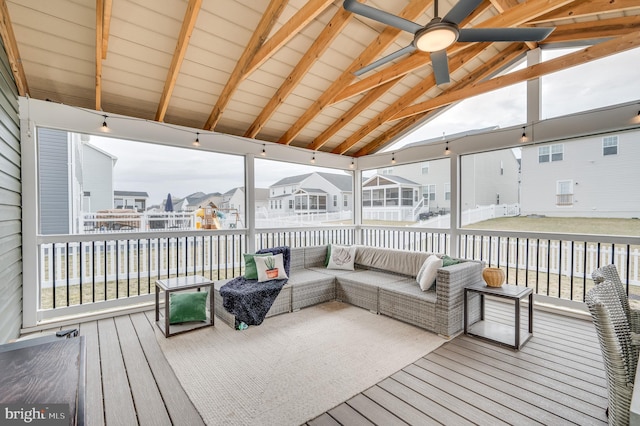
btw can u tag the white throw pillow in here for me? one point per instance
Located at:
(342, 257)
(270, 267)
(428, 272)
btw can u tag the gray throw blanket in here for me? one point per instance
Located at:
(250, 300)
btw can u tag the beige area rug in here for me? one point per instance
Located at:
(293, 367)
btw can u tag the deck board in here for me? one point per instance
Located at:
(556, 378)
(93, 399)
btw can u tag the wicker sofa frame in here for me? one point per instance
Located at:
(384, 282)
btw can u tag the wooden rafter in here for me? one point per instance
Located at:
(504, 5)
(579, 9)
(11, 47)
(607, 48)
(188, 23)
(492, 66)
(511, 18)
(300, 20)
(106, 27)
(594, 30)
(414, 9)
(99, 26)
(269, 18)
(321, 43)
(353, 112)
(407, 99)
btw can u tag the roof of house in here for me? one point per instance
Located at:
(341, 181)
(131, 194)
(393, 178)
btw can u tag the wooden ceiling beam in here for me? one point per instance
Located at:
(353, 112)
(99, 27)
(414, 9)
(188, 23)
(11, 47)
(292, 27)
(407, 99)
(269, 18)
(504, 5)
(594, 30)
(579, 9)
(513, 17)
(604, 49)
(319, 46)
(489, 68)
(106, 27)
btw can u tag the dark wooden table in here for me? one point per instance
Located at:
(44, 374)
(503, 334)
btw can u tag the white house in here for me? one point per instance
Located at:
(594, 176)
(316, 192)
(389, 197)
(234, 202)
(130, 200)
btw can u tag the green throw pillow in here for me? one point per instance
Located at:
(250, 271)
(185, 307)
(326, 260)
(448, 261)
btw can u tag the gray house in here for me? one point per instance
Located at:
(316, 192)
(596, 176)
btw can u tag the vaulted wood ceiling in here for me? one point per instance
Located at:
(282, 70)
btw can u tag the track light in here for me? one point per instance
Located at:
(197, 141)
(393, 158)
(104, 127)
(447, 151)
(524, 137)
(313, 159)
(264, 151)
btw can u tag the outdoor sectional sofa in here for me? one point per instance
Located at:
(384, 282)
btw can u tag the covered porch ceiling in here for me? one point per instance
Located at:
(282, 70)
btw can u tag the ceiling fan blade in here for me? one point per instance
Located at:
(440, 65)
(504, 34)
(410, 48)
(461, 10)
(381, 16)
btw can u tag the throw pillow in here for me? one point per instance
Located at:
(448, 261)
(186, 307)
(342, 257)
(326, 260)
(250, 271)
(428, 272)
(270, 267)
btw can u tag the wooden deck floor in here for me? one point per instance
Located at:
(557, 378)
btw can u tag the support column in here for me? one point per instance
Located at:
(455, 204)
(534, 90)
(250, 201)
(357, 204)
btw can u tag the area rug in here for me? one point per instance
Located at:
(293, 367)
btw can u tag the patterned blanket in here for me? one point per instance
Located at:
(250, 300)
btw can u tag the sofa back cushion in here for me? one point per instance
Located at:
(398, 261)
(297, 258)
(315, 256)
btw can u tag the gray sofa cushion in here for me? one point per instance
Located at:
(398, 261)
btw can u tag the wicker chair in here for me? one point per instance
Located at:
(610, 273)
(620, 357)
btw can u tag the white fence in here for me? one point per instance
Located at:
(473, 215)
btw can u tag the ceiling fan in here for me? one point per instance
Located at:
(441, 33)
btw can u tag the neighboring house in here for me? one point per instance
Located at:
(130, 200)
(74, 177)
(389, 197)
(595, 176)
(192, 202)
(316, 192)
(234, 200)
(489, 178)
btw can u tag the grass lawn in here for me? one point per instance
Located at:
(564, 225)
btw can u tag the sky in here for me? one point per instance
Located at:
(159, 170)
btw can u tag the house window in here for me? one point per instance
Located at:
(366, 198)
(564, 193)
(377, 197)
(407, 196)
(550, 153)
(391, 197)
(610, 145)
(501, 169)
(429, 192)
(290, 204)
(322, 202)
(335, 201)
(345, 200)
(447, 191)
(387, 171)
(425, 168)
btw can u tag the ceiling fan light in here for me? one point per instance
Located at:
(436, 36)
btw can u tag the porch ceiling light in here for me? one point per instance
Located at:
(524, 137)
(436, 36)
(313, 159)
(197, 141)
(393, 158)
(105, 127)
(447, 151)
(264, 151)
